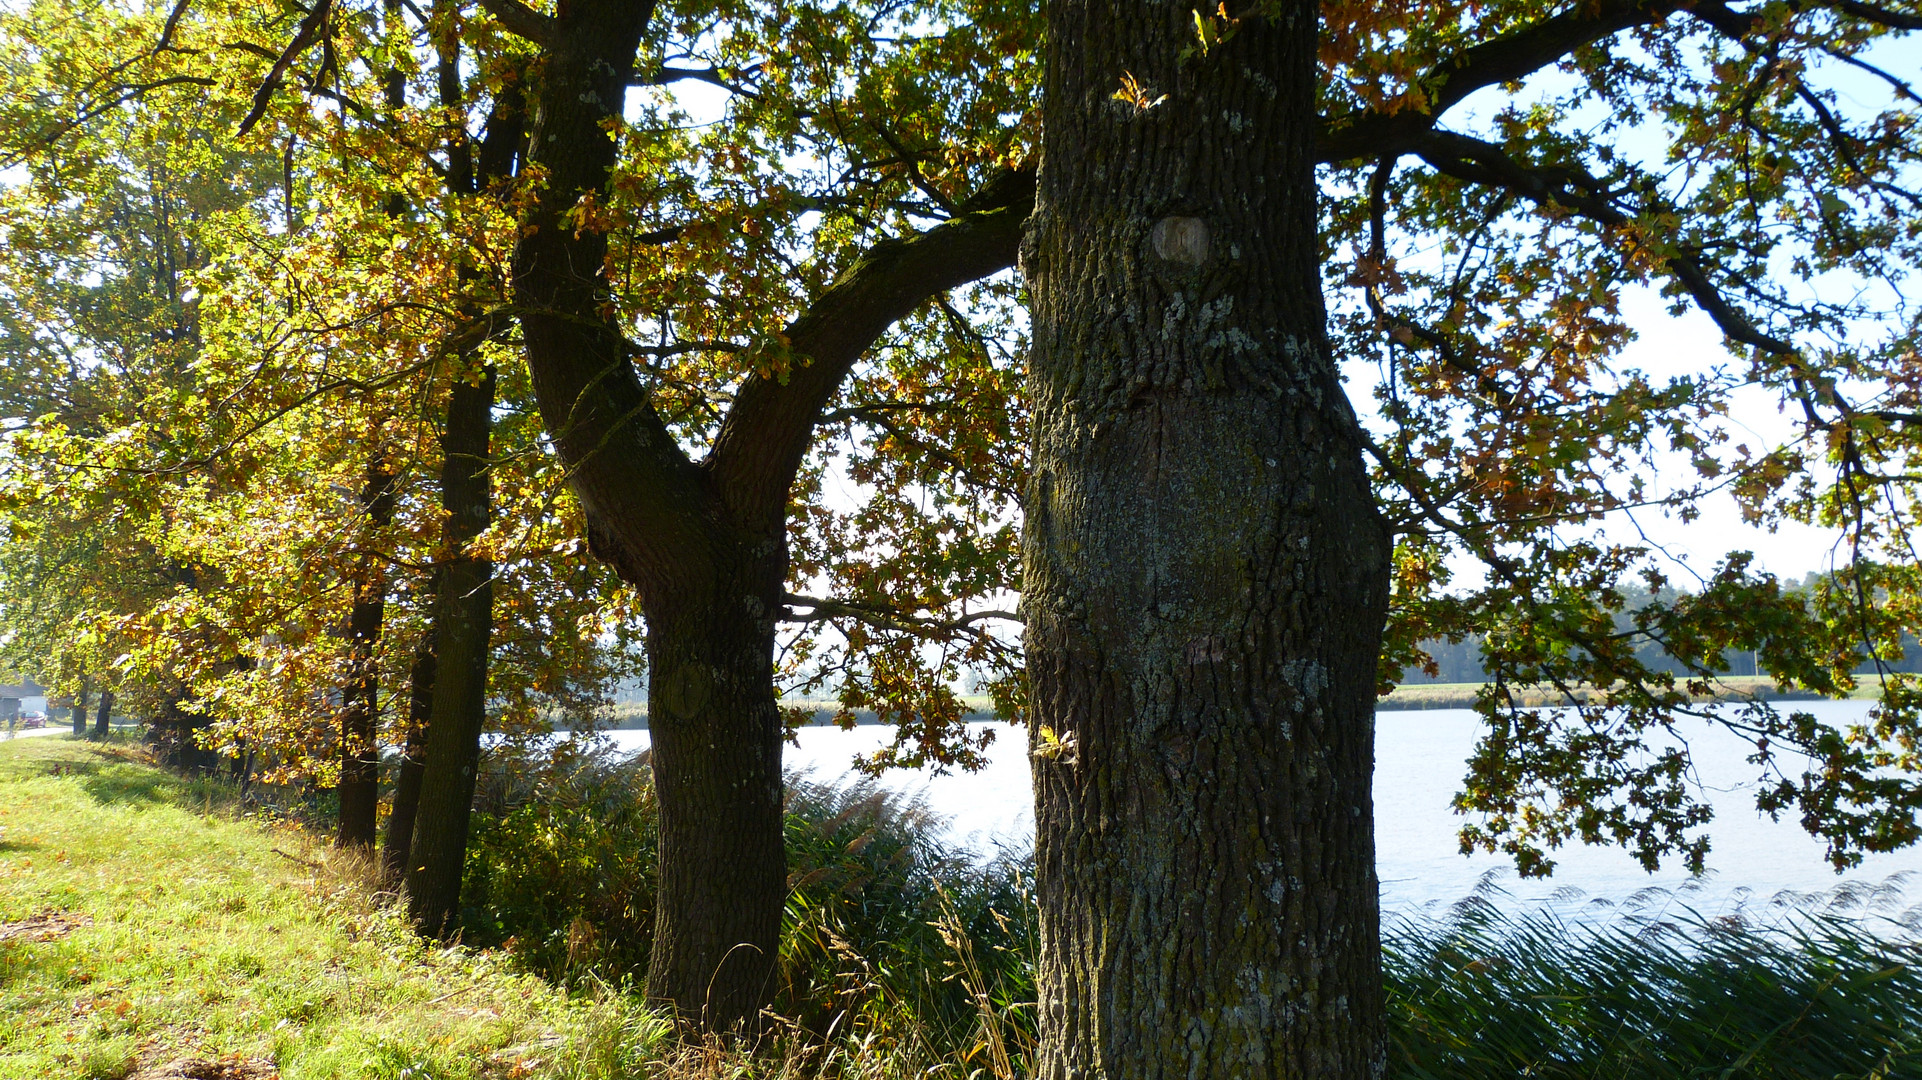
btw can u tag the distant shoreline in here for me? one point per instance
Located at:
(1462, 695)
(1407, 697)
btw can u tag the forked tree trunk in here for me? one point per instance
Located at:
(703, 543)
(359, 788)
(413, 757)
(716, 736)
(463, 625)
(1205, 573)
(104, 716)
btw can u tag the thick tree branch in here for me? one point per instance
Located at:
(522, 20)
(888, 618)
(767, 432)
(1511, 56)
(309, 30)
(1895, 20)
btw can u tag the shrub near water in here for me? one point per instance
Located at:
(890, 940)
(900, 955)
(561, 865)
(893, 938)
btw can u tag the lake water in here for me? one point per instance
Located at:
(1419, 762)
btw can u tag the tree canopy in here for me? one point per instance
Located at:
(744, 271)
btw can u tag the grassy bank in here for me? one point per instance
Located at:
(1462, 695)
(152, 929)
(146, 930)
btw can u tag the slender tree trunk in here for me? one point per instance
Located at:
(1205, 573)
(104, 716)
(80, 709)
(359, 788)
(463, 623)
(456, 710)
(716, 738)
(400, 822)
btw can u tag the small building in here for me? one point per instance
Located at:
(11, 695)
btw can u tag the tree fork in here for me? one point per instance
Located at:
(1205, 575)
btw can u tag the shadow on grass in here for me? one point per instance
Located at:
(114, 772)
(129, 785)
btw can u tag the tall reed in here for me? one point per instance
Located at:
(902, 955)
(1486, 992)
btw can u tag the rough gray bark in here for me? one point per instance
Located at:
(1205, 573)
(104, 716)
(359, 788)
(463, 626)
(716, 735)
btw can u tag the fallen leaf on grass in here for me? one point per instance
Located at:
(47, 926)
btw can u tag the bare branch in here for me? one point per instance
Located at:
(308, 31)
(1574, 189)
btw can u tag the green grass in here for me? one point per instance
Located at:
(177, 931)
(194, 938)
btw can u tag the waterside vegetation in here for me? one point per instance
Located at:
(152, 925)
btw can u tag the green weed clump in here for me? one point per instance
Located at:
(894, 946)
(894, 939)
(560, 866)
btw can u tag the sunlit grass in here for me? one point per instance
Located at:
(197, 935)
(178, 929)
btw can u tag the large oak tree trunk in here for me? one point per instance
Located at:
(359, 788)
(716, 735)
(1205, 577)
(103, 717)
(399, 842)
(463, 625)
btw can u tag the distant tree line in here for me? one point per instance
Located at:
(1462, 661)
